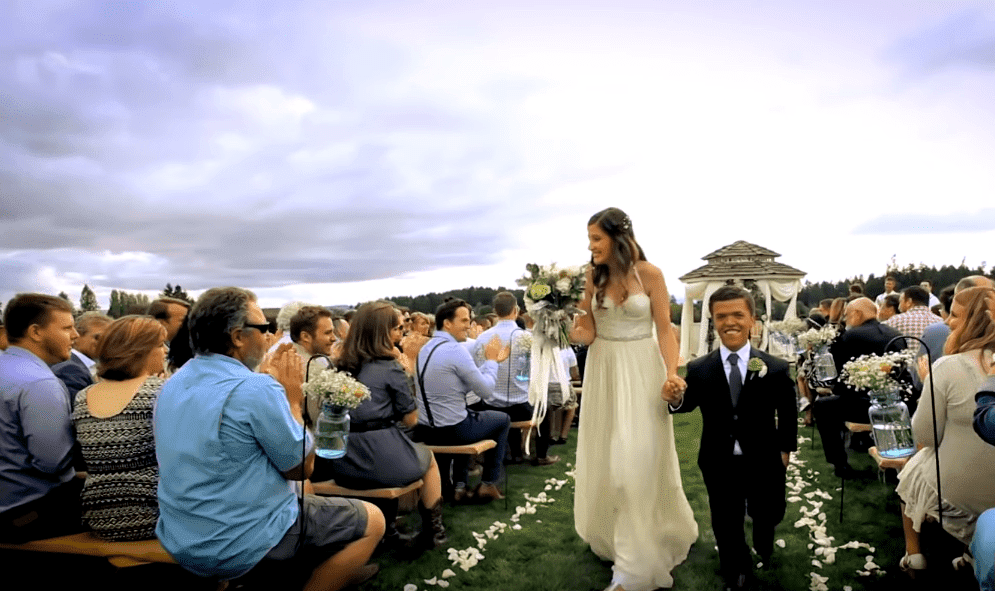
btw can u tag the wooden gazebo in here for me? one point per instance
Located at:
(736, 262)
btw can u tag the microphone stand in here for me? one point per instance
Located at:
(932, 406)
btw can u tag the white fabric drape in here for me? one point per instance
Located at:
(782, 290)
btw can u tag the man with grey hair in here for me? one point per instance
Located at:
(229, 444)
(283, 318)
(78, 372)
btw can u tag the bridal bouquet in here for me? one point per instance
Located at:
(551, 297)
(336, 387)
(816, 338)
(877, 372)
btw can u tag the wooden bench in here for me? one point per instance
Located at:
(887, 463)
(119, 554)
(330, 489)
(468, 449)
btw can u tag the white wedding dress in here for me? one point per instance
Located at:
(630, 504)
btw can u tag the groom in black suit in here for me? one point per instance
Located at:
(744, 449)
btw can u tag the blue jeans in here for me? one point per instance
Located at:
(983, 550)
(486, 424)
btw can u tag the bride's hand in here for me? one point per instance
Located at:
(673, 389)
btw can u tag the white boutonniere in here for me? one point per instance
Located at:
(755, 364)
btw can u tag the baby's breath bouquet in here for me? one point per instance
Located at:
(816, 338)
(788, 326)
(337, 388)
(877, 372)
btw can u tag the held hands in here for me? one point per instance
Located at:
(673, 390)
(494, 350)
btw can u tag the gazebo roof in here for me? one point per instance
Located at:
(741, 260)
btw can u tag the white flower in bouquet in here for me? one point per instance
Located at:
(522, 341)
(338, 388)
(551, 295)
(876, 372)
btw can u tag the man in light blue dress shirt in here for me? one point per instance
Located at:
(39, 494)
(511, 388)
(230, 442)
(445, 373)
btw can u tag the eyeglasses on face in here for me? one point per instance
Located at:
(263, 328)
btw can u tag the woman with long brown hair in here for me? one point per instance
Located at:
(967, 464)
(630, 504)
(113, 421)
(379, 454)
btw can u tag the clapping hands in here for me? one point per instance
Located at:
(495, 350)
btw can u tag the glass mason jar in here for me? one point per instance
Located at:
(890, 424)
(524, 361)
(332, 431)
(825, 365)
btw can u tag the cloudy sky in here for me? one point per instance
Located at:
(338, 151)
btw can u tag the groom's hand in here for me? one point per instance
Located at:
(673, 390)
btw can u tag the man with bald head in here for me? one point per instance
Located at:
(864, 335)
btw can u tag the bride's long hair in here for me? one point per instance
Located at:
(625, 250)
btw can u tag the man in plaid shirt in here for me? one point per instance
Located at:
(915, 316)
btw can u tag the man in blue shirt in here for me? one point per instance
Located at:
(445, 373)
(230, 442)
(511, 388)
(39, 494)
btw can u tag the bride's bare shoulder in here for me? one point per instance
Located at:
(648, 270)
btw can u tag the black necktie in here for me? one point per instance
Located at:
(735, 378)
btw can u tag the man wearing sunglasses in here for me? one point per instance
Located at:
(230, 442)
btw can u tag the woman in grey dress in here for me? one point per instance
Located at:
(379, 453)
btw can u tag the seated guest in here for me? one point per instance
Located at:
(379, 454)
(563, 405)
(77, 373)
(445, 373)
(113, 421)
(864, 335)
(836, 317)
(4, 343)
(983, 543)
(511, 394)
(967, 466)
(889, 307)
(420, 324)
(915, 315)
(39, 494)
(230, 443)
(312, 333)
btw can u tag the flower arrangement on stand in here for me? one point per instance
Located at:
(817, 338)
(551, 297)
(877, 373)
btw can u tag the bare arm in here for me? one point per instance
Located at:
(656, 289)
(584, 331)
(410, 419)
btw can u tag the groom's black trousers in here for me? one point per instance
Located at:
(734, 490)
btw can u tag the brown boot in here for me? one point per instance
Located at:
(488, 492)
(433, 532)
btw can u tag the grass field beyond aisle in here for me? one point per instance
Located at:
(546, 554)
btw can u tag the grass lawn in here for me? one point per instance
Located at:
(545, 554)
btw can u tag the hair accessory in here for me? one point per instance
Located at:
(625, 224)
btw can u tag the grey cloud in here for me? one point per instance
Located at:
(964, 39)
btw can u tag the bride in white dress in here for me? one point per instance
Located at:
(630, 504)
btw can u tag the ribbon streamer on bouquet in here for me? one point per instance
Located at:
(545, 362)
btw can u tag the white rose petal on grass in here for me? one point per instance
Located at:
(516, 526)
(443, 584)
(448, 573)
(431, 581)
(780, 543)
(410, 587)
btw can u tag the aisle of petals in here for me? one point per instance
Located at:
(814, 518)
(468, 558)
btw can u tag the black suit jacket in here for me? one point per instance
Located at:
(74, 374)
(870, 337)
(752, 422)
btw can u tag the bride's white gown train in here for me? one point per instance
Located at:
(630, 504)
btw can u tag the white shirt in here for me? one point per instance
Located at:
(89, 363)
(744, 358)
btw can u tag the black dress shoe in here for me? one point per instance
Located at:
(845, 471)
